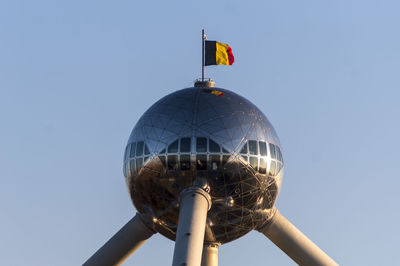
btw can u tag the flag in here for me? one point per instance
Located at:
(218, 53)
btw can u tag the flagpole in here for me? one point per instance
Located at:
(202, 55)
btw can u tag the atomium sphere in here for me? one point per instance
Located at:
(208, 134)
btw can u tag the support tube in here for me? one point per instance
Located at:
(294, 243)
(126, 241)
(194, 205)
(210, 254)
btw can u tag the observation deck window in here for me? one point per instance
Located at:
(133, 150)
(244, 149)
(201, 162)
(185, 162)
(201, 145)
(214, 147)
(215, 162)
(185, 145)
(139, 148)
(173, 147)
(253, 147)
(263, 148)
(272, 150)
(263, 166)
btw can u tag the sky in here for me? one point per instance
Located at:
(75, 77)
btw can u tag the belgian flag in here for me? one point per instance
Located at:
(218, 53)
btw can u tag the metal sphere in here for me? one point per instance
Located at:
(212, 136)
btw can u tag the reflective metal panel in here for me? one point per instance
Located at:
(221, 138)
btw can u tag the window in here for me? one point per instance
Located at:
(126, 155)
(133, 166)
(139, 148)
(244, 157)
(263, 148)
(133, 150)
(201, 145)
(272, 150)
(163, 151)
(185, 162)
(224, 150)
(253, 147)
(146, 149)
(263, 166)
(173, 147)
(214, 147)
(272, 170)
(185, 145)
(244, 149)
(201, 162)
(172, 162)
(146, 159)
(279, 153)
(254, 162)
(215, 162)
(139, 164)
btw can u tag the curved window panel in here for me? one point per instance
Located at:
(185, 162)
(253, 149)
(126, 155)
(146, 159)
(225, 159)
(163, 151)
(185, 145)
(162, 159)
(244, 158)
(263, 166)
(244, 149)
(263, 148)
(215, 162)
(201, 145)
(146, 149)
(139, 148)
(172, 162)
(272, 150)
(279, 167)
(224, 150)
(201, 162)
(272, 170)
(279, 153)
(173, 147)
(254, 162)
(139, 164)
(133, 150)
(132, 166)
(213, 146)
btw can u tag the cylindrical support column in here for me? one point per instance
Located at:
(210, 254)
(122, 244)
(294, 243)
(194, 205)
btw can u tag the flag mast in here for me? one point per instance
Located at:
(202, 54)
(201, 83)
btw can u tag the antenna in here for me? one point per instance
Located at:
(203, 37)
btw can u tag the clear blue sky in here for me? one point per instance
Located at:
(75, 76)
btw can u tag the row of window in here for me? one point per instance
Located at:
(251, 148)
(183, 145)
(204, 162)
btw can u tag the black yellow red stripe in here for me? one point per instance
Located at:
(218, 53)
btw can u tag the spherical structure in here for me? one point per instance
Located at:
(212, 135)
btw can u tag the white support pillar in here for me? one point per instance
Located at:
(210, 254)
(294, 243)
(123, 243)
(194, 205)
